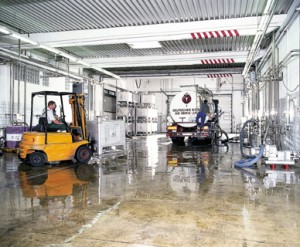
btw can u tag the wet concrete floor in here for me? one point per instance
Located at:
(160, 195)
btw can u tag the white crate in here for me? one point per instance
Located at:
(143, 128)
(148, 99)
(153, 113)
(154, 127)
(129, 128)
(124, 96)
(135, 98)
(142, 112)
(107, 133)
(125, 111)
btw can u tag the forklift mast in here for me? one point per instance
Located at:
(78, 113)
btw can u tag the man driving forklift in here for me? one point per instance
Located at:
(53, 122)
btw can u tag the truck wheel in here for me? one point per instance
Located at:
(83, 154)
(178, 140)
(37, 159)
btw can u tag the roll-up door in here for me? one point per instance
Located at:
(225, 103)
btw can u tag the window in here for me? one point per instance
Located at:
(45, 79)
(24, 73)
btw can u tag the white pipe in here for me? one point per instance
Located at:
(262, 28)
(56, 51)
(291, 15)
(40, 65)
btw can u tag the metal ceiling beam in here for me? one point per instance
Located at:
(165, 60)
(179, 72)
(159, 32)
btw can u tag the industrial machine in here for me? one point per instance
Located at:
(183, 111)
(41, 144)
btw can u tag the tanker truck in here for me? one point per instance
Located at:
(183, 110)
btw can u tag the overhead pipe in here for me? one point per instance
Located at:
(11, 91)
(56, 51)
(285, 60)
(273, 75)
(19, 75)
(25, 93)
(35, 64)
(291, 16)
(262, 28)
(299, 64)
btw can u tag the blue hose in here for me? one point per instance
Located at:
(250, 162)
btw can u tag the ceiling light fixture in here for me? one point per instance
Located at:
(145, 45)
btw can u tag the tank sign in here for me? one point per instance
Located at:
(183, 109)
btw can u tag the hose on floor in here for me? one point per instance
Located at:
(219, 135)
(242, 138)
(250, 162)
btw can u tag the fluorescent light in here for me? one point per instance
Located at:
(145, 45)
(3, 30)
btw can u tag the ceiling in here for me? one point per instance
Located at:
(197, 37)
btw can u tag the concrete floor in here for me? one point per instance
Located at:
(161, 195)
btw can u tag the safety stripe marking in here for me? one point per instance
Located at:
(217, 61)
(218, 75)
(215, 34)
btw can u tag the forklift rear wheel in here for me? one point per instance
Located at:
(37, 159)
(83, 154)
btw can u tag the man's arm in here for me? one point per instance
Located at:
(51, 117)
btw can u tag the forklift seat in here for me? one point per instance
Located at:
(42, 124)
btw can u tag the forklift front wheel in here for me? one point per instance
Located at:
(37, 159)
(83, 154)
(21, 159)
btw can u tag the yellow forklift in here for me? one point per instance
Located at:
(42, 144)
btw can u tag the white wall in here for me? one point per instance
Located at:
(4, 94)
(55, 84)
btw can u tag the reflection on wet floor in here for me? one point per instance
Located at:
(159, 195)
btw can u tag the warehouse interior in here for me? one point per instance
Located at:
(181, 122)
